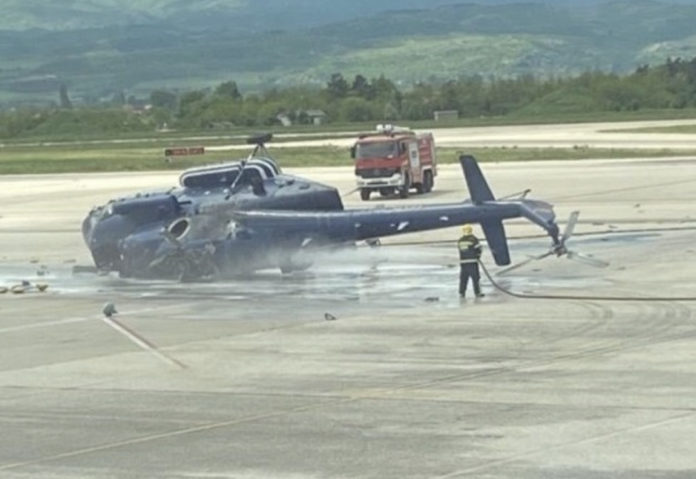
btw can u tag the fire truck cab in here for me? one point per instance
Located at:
(394, 160)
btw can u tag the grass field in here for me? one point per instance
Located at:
(145, 151)
(104, 158)
(237, 134)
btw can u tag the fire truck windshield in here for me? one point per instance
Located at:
(376, 149)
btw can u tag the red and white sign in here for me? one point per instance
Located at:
(185, 151)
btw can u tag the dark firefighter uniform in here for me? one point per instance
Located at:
(469, 254)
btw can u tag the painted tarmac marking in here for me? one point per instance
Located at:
(170, 434)
(45, 324)
(84, 319)
(589, 440)
(308, 407)
(143, 343)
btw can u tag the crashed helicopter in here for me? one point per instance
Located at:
(234, 218)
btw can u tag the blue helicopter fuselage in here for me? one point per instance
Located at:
(236, 218)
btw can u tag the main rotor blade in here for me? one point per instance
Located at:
(519, 195)
(354, 190)
(570, 226)
(523, 263)
(588, 260)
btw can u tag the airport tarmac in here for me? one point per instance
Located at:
(250, 380)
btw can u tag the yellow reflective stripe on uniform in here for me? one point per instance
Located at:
(468, 261)
(465, 244)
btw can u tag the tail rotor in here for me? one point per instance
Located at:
(560, 248)
(568, 232)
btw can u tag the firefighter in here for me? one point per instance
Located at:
(469, 254)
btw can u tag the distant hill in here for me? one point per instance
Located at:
(78, 14)
(100, 48)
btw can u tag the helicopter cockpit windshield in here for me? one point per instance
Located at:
(252, 172)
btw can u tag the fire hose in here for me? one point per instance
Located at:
(570, 297)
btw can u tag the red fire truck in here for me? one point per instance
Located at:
(394, 160)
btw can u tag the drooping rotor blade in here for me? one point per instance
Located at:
(514, 266)
(354, 190)
(523, 263)
(588, 260)
(519, 195)
(570, 226)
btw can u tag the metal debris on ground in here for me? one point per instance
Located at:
(24, 287)
(109, 310)
(329, 317)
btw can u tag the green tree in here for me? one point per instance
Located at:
(384, 88)
(191, 104)
(228, 89)
(357, 109)
(163, 99)
(337, 86)
(161, 117)
(266, 114)
(362, 88)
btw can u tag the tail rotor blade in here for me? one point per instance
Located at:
(570, 226)
(514, 266)
(523, 263)
(588, 260)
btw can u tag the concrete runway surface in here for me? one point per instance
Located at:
(582, 135)
(251, 381)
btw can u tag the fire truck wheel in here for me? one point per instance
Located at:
(365, 194)
(403, 190)
(428, 181)
(420, 187)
